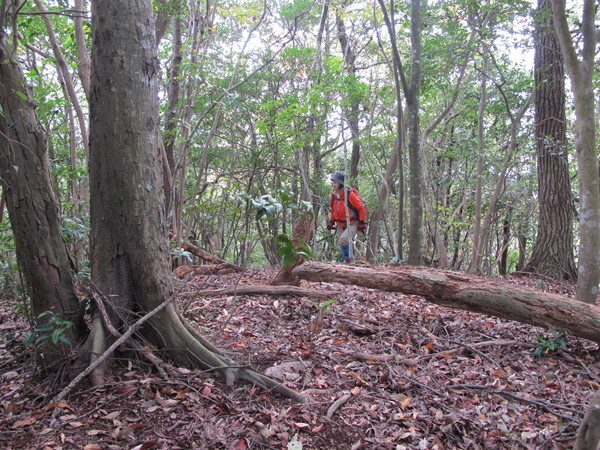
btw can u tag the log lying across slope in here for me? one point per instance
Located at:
(467, 292)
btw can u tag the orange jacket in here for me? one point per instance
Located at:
(356, 207)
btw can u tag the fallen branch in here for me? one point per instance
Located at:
(206, 256)
(209, 269)
(414, 361)
(336, 405)
(269, 290)
(546, 406)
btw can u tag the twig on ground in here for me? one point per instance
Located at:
(336, 405)
(413, 361)
(548, 407)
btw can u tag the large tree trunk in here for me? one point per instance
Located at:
(34, 211)
(468, 292)
(552, 252)
(130, 247)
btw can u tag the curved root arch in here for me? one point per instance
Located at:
(169, 330)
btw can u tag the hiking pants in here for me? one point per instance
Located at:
(345, 237)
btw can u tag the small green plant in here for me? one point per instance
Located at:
(546, 344)
(74, 229)
(289, 250)
(54, 330)
(317, 323)
(181, 255)
(323, 305)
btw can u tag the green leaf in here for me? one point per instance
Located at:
(281, 238)
(56, 335)
(44, 328)
(285, 249)
(64, 339)
(288, 259)
(29, 338)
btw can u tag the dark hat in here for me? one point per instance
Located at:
(339, 177)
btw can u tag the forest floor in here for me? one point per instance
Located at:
(382, 370)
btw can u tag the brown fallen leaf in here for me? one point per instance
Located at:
(24, 422)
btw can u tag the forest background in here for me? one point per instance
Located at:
(260, 102)
(423, 106)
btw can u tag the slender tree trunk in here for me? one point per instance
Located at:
(416, 178)
(84, 65)
(399, 143)
(378, 212)
(64, 69)
(353, 110)
(412, 94)
(475, 264)
(581, 75)
(503, 257)
(171, 121)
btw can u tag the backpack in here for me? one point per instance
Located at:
(353, 211)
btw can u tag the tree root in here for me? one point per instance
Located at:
(210, 357)
(165, 327)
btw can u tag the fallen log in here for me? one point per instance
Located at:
(259, 289)
(467, 292)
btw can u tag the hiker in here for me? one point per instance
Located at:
(346, 227)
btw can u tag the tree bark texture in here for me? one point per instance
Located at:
(588, 435)
(581, 75)
(33, 208)
(416, 177)
(352, 115)
(467, 292)
(129, 240)
(475, 263)
(130, 246)
(552, 252)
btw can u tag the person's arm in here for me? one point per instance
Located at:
(331, 223)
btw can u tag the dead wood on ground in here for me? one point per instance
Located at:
(206, 256)
(208, 269)
(269, 290)
(467, 292)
